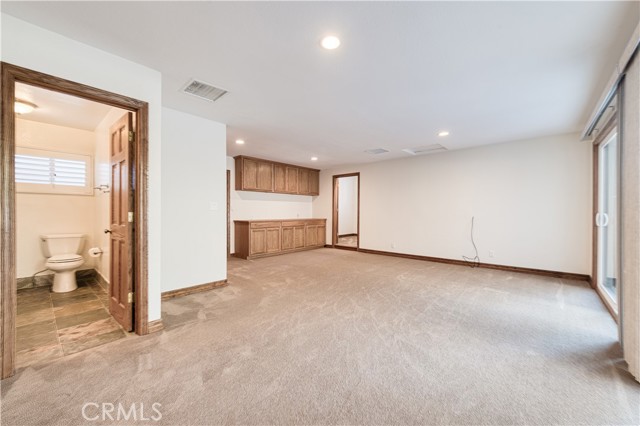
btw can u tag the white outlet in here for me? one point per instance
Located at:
(492, 253)
(213, 206)
(393, 245)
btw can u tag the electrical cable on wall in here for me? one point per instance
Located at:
(473, 262)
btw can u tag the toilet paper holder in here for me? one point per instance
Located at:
(95, 251)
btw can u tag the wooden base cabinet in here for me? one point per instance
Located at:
(267, 238)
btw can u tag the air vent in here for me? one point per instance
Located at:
(376, 151)
(436, 147)
(203, 90)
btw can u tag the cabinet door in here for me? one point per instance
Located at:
(292, 180)
(298, 237)
(258, 242)
(265, 176)
(249, 174)
(303, 181)
(273, 240)
(314, 182)
(322, 236)
(288, 238)
(279, 178)
(311, 235)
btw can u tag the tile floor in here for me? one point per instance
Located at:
(52, 325)
(350, 241)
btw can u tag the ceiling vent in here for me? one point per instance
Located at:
(436, 147)
(203, 90)
(376, 151)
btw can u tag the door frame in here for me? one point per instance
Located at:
(11, 74)
(595, 270)
(334, 216)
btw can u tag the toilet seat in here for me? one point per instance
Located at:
(65, 258)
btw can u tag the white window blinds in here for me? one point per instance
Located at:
(52, 172)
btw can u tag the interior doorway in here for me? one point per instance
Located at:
(129, 189)
(346, 211)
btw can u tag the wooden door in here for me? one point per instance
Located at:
(249, 174)
(258, 243)
(312, 235)
(288, 238)
(303, 181)
(273, 240)
(279, 178)
(298, 237)
(121, 228)
(292, 179)
(265, 176)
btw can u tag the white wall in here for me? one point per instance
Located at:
(531, 201)
(248, 205)
(39, 214)
(348, 205)
(29, 46)
(102, 205)
(194, 200)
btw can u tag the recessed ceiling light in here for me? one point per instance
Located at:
(24, 107)
(443, 133)
(314, 158)
(330, 42)
(239, 141)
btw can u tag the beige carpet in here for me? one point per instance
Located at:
(340, 337)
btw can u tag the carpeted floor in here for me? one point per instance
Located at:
(340, 337)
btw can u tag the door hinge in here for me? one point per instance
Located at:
(130, 217)
(130, 297)
(132, 136)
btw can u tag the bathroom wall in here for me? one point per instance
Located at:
(247, 205)
(51, 213)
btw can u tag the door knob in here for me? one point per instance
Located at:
(107, 231)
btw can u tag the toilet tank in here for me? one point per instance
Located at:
(54, 244)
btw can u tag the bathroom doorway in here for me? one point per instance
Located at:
(346, 211)
(76, 158)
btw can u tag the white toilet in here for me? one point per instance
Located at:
(63, 257)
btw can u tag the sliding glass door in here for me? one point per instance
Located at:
(607, 220)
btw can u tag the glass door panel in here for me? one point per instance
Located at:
(607, 219)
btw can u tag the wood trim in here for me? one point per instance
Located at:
(334, 211)
(155, 326)
(8, 298)
(276, 162)
(10, 74)
(542, 272)
(193, 289)
(228, 214)
(141, 257)
(347, 235)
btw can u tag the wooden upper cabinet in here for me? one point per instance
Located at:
(303, 181)
(254, 174)
(292, 179)
(280, 178)
(314, 182)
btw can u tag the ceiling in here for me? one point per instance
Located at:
(488, 72)
(60, 109)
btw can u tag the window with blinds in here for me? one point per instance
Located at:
(52, 172)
